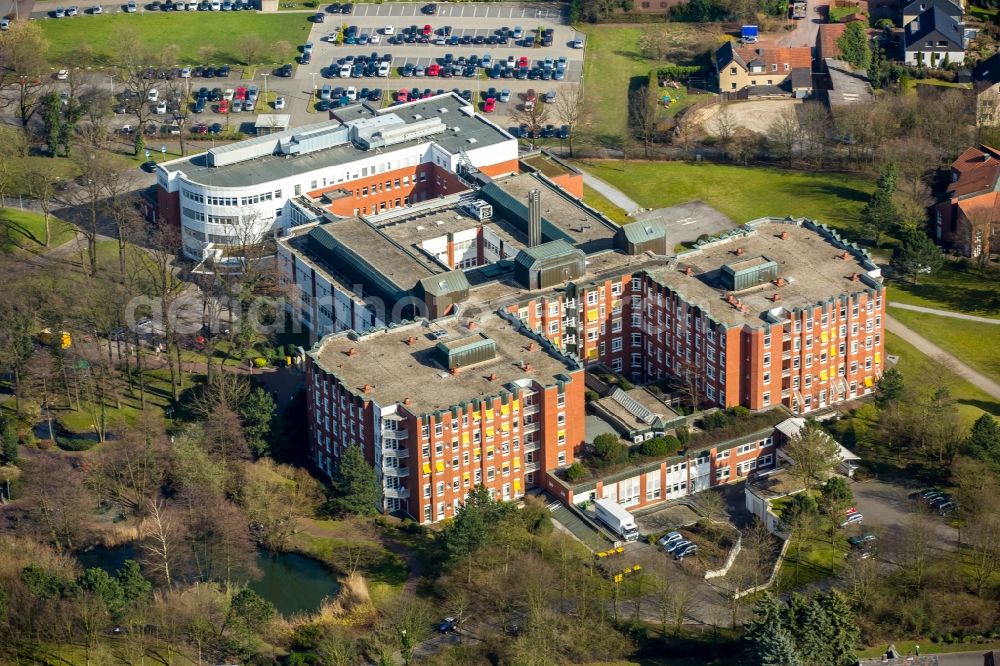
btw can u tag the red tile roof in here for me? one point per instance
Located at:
(826, 40)
(977, 170)
(792, 56)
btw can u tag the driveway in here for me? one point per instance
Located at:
(805, 30)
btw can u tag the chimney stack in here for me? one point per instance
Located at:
(527, 367)
(407, 402)
(845, 255)
(783, 235)
(740, 252)
(689, 271)
(776, 298)
(473, 325)
(780, 282)
(531, 346)
(534, 218)
(352, 352)
(455, 370)
(855, 277)
(411, 341)
(367, 388)
(492, 377)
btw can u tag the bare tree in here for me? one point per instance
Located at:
(162, 541)
(569, 109)
(251, 47)
(642, 115)
(783, 136)
(723, 127)
(164, 246)
(983, 551)
(712, 505)
(57, 511)
(532, 114)
(129, 471)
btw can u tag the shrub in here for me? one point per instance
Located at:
(683, 434)
(610, 448)
(259, 362)
(867, 412)
(590, 396)
(740, 412)
(75, 443)
(625, 384)
(654, 447)
(575, 472)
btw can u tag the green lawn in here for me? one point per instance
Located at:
(952, 288)
(24, 230)
(95, 38)
(816, 561)
(974, 343)
(910, 85)
(597, 200)
(741, 193)
(972, 402)
(927, 647)
(613, 65)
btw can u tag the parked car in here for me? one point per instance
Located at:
(447, 625)
(677, 543)
(316, 18)
(4, 23)
(490, 105)
(62, 74)
(946, 508)
(130, 7)
(853, 518)
(861, 540)
(670, 537)
(690, 549)
(430, 9)
(161, 108)
(550, 97)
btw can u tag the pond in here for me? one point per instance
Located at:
(292, 582)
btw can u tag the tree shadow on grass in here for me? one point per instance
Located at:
(985, 405)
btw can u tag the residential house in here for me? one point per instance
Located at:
(755, 69)
(911, 10)
(968, 221)
(986, 87)
(934, 38)
(826, 41)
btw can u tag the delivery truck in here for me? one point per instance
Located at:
(617, 518)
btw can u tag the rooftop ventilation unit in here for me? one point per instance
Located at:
(480, 210)
(467, 350)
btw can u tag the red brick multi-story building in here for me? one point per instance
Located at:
(441, 407)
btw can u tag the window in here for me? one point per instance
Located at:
(722, 473)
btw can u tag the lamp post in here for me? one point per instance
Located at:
(313, 75)
(265, 75)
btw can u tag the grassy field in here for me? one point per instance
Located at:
(22, 230)
(73, 42)
(953, 288)
(741, 193)
(597, 200)
(974, 343)
(972, 402)
(927, 647)
(816, 560)
(614, 65)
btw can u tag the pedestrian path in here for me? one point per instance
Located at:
(943, 313)
(930, 349)
(611, 193)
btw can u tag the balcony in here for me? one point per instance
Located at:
(530, 427)
(398, 453)
(530, 409)
(394, 434)
(532, 467)
(396, 471)
(532, 446)
(397, 493)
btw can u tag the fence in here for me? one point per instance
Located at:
(739, 594)
(718, 573)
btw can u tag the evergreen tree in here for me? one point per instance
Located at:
(879, 215)
(917, 254)
(52, 122)
(875, 69)
(842, 635)
(136, 590)
(355, 485)
(768, 642)
(97, 582)
(854, 45)
(889, 387)
(983, 441)
(475, 523)
(835, 494)
(8, 439)
(811, 637)
(257, 416)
